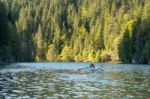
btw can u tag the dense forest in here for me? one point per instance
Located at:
(75, 30)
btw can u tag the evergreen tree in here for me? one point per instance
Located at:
(75, 30)
(66, 54)
(51, 54)
(40, 50)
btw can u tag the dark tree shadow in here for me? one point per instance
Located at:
(135, 46)
(126, 49)
(4, 35)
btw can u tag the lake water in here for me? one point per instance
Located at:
(74, 81)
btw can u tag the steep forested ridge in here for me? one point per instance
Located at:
(75, 30)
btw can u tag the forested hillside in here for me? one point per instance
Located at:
(75, 30)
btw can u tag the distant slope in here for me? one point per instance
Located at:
(75, 30)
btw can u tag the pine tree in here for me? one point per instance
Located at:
(40, 50)
(34, 28)
(66, 54)
(51, 54)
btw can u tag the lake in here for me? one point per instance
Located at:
(74, 81)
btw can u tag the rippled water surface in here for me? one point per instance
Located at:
(74, 81)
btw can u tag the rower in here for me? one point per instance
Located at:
(92, 65)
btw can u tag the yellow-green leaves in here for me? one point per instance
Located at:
(67, 54)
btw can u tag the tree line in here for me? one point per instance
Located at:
(75, 30)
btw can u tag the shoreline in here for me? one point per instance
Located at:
(110, 62)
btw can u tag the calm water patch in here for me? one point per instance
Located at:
(74, 80)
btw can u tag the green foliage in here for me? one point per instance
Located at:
(98, 57)
(126, 49)
(75, 30)
(142, 41)
(105, 56)
(78, 58)
(91, 56)
(85, 54)
(5, 49)
(67, 54)
(4, 35)
(51, 54)
(40, 51)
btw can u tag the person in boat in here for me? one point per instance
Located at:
(92, 65)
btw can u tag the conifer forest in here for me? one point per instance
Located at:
(75, 31)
